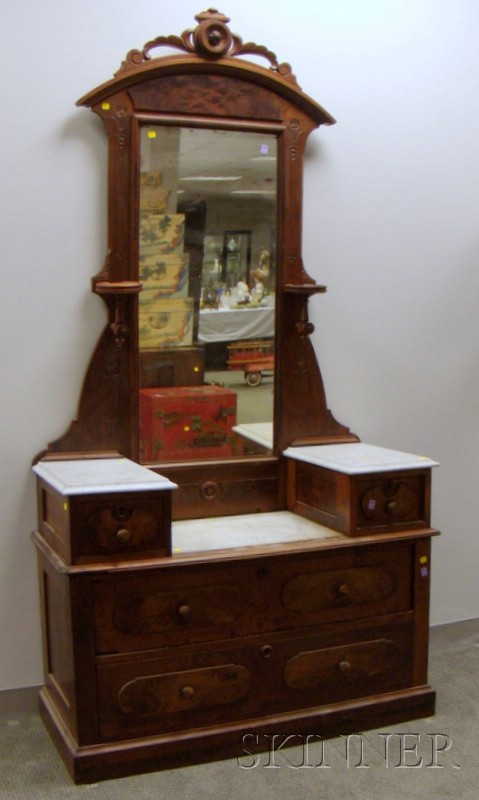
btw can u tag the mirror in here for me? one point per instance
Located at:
(207, 265)
(205, 160)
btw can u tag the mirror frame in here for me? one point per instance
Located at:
(209, 85)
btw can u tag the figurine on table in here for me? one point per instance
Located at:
(262, 272)
(243, 295)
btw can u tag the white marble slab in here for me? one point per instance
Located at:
(358, 458)
(100, 475)
(259, 432)
(245, 530)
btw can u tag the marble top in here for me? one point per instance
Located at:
(358, 458)
(99, 475)
(246, 530)
(259, 432)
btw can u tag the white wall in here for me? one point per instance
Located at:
(391, 225)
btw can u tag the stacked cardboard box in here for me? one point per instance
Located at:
(165, 310)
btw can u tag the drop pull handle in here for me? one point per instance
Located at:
(344, 667)
(184, 612)
(186, 692)
(123, 535)
(343, 590)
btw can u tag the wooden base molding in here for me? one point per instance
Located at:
(93, 763)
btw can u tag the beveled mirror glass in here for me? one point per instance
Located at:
(207, 265)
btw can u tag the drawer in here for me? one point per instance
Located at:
(103, 509)
(358, 504)
(372, 588)
(175, 605)
(96, 527)
(229, 683)
(121, 525)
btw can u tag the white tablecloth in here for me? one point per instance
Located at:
(229, 325)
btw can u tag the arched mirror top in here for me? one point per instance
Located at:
(203, 277)
(210, 48)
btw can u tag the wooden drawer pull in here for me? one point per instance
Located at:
(184, 612)
(343, 590)
(123, 535)
(186, 692)
(344, 667)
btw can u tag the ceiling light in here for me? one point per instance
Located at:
(212, 178)
(270, 192)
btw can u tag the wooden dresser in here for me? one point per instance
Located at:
(219, 557)
(257, 624)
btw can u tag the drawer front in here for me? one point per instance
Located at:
(359, 583)
(348, 591)
(173, 606)
(122, 525)
(181, 605)
(354, 505)
(199, 688)
(393, 501)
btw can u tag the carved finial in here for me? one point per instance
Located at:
(211, 39)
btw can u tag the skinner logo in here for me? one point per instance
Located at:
(355, 751)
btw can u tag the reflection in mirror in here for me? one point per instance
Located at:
(207, 246)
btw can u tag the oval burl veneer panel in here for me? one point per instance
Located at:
(183, 691)
(318, 591)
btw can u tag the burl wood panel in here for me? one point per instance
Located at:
(215, 95)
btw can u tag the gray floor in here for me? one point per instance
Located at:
(435, 757)
(255, 403)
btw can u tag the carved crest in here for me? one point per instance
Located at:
(211, 39)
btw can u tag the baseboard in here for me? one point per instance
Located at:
(19, 701)
(454, 635)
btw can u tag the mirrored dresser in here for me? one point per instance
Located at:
(218, 555)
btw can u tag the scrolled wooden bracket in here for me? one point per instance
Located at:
(118, 290)
(303, 326)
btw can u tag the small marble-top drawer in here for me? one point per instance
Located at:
(97, 509)
(358, 489)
